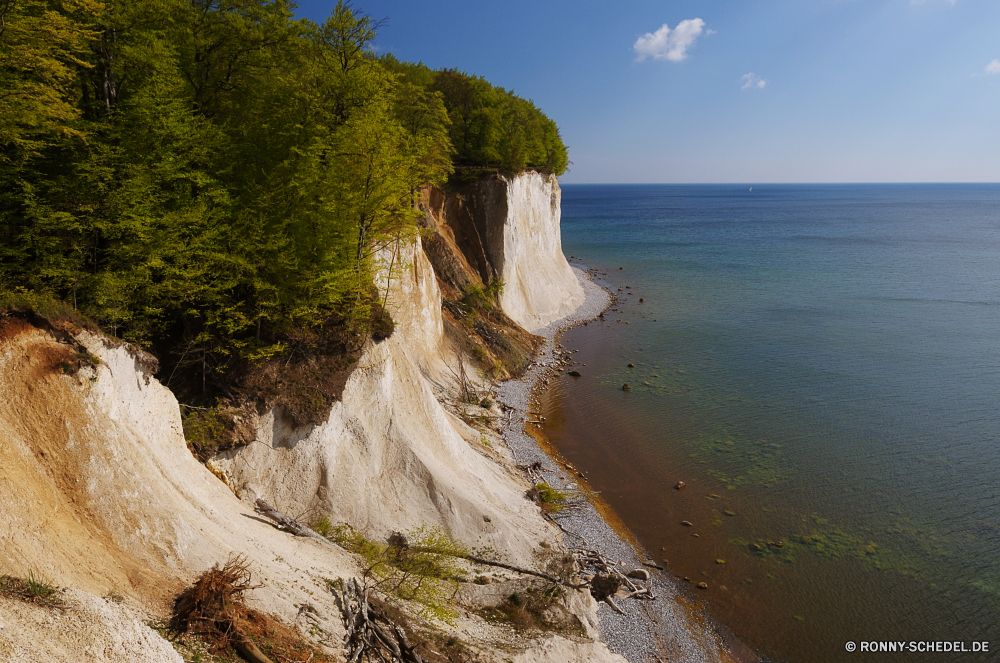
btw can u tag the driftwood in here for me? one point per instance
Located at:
(527, 572)
(371, 635)
(593, 560)
(298, 529)
(288, 524)
(249, 650)
(610, 601)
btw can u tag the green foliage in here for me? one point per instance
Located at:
(323, 527)
(203, 428)
(537, 608)
(38, 588)
(480, 354)
(490, 126)
(550, 499)
(43, 45)
(481, 298)
(210, 177)
(55, 312)
(32, 589)
(420, 566)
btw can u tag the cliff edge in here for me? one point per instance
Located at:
(506, 229)
(105, 497)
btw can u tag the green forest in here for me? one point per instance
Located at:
(211, 179)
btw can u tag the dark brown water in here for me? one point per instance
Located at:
(826, 386)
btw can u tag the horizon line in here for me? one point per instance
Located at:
(763, 183)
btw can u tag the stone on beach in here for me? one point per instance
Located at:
(628, 636)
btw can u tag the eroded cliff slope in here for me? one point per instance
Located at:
(505, 228)
(105, 497)
(391, 456)
(102, 495)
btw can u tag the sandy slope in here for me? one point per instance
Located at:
(101, 493)
(390, 457)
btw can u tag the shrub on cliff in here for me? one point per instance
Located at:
(420, 565)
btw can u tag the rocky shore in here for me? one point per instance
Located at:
(659, 630)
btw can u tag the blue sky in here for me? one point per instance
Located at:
(732, 90)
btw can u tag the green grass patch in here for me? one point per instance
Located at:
(33, 589)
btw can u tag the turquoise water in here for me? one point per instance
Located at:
(827, 376)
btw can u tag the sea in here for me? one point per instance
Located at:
(820, 366)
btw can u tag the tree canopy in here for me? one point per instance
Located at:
(490, 126)
(206, 176)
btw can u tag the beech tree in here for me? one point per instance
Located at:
(209, 177)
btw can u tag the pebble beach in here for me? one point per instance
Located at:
(650, 630)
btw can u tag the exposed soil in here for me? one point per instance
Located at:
(220, 406)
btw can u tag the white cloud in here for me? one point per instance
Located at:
(993, 68)
(667, 44)
(752, 81)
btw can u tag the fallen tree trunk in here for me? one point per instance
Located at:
(528, 572)
(593, 559)
(289, 524)
(249, 650)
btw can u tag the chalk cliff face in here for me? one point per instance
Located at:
(539, 286)
(508, 229)
(390, 457)
(102, 494)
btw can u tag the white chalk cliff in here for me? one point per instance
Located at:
(539, 285)
(102, 494)
(390, 457)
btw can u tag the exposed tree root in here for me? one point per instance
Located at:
(371, 633)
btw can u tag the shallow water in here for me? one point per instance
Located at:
(821, 366)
